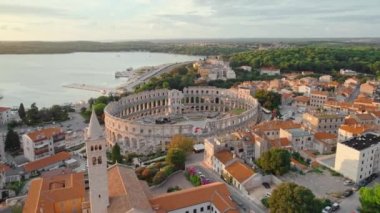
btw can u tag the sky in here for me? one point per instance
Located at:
(109, 20)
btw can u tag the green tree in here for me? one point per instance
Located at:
(32, 115)
(275, 161)
(21, 111)
(370, 199)
(290, 197)
(176, 157)
(12, 141)
(268, 99)
(99, 108)
(181, 142)
(116, 156)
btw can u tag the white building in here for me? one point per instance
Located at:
(43, 143)
(358, 157)
(347, 72)
(270, 71)
(325, 78)
(7, 115)
(299, 138)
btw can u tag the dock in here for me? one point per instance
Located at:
(88, 87)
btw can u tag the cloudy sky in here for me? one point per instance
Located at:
(158, 19)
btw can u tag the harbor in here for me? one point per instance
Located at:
(88, 87)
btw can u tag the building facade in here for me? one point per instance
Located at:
(127, 121)
(318, 98)
(43, 143)
(323, 122)
(358, 157)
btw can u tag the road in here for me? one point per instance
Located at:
(134, 82)
(196, 160)
(354, 94)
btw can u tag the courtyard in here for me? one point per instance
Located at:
(177, 179)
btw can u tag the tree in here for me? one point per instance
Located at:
(21, 111)
(181, 142)
(370, 199)
(12, 141)
(275, 161)
(290, 197)
(176, 157)
(115, 155)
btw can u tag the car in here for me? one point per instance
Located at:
(327, 209)
(335, 207)
(348, 193)
(266, 185)
(348, 182)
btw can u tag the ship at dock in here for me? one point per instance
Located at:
(124, 74)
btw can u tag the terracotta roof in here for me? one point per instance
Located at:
(354, 129)
(324, 136)
(3, 109)
(224, 156)
(125, 190)
(350, 121)
(363, 101)
(4, 167)
(45, 193)
(365, 116)
(42, 163)
(44, 133)
(315, 92)
(216, 193)
(239, 171)
(302, 99)
(277, 125)
(376, 113)
(279, 143)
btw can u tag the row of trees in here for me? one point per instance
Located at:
(178, 78)
(35, 116)
(318, 59)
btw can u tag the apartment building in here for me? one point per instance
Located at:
(318, 98)
(323, 122)
(346, 132)
(358, 157)
(43, 143)
(271, 129)
(300, 139)
(325, 143)
(301, 101)
(7, 115)
(325, 78)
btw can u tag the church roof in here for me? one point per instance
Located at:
(126, 193)
(94, 130)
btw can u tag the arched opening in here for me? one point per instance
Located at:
(99, 160)
(94, 161)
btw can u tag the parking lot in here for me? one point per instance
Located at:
(323, 185)
(178, 179)
(260, 192)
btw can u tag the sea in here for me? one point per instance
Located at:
(39, 78)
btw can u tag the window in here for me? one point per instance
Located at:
(363, 154)
(201, 209)
(194, 211)
(99, 160)
(208, 207)
(360, 177)
(92, 148)
(94, 161)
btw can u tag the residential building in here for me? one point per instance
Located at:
(222, 159)
(358, 157)
(325, 78)
(323, 122)
(346, 132)
(214, 69)
(7, 115)
(347, 72)
(325, 143)
(59, 193)
(272, 128)
(301, 101)
(300, 139)
(364, 118)
(46, 164)
(8, 175)
(239, 174)
(270, 71)
(318, 98)
(304, 89)
(368, 88)
(351, 82)
(43, 143)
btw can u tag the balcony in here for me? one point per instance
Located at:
(41, 150)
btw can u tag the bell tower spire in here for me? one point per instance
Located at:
(97, 166)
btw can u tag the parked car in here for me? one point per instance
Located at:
(348, 182)
(327, 209)
(335, 207)
(347, 193)
(266, 185)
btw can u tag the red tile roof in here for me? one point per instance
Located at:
(3, 109)
(44, 133)
(42, 163)
(224, 156)
(239, 171)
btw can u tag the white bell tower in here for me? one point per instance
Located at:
(97, 166)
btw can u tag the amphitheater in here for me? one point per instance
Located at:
(146, 121)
